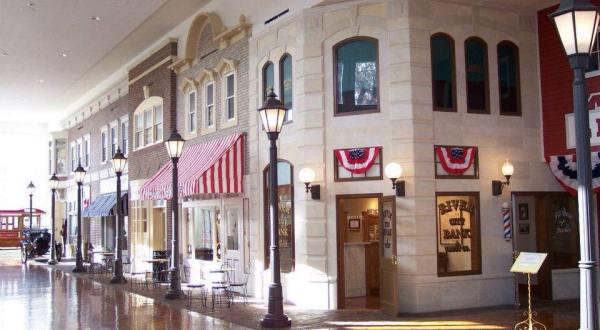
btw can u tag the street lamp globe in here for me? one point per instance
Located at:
(577, 23)
(30, 188)
(53, 182)
(119, 161)
(174, 145)
(272, 113)
(79, 174)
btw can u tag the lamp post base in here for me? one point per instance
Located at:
(175, 294)
(118, 280)
(79, 269)
(275, 321)
(52, 262)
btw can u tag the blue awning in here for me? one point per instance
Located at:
(104, 205)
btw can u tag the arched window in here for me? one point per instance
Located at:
(285, 191)
(443, 75)
(508, 78)
(268, 78)
(476, 72)
(285, 84)
(356, 71)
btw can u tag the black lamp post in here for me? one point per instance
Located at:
(53, 182)
(119, 161)
(174, 147)
(577, 24)
(79, 175)
(272, 115)
(30, 191)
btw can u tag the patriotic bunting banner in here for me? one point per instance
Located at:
(564, 168)
(455, 160)
(357, 160)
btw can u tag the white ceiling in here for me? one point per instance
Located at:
(37, 83)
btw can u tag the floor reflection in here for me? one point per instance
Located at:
(33, 297)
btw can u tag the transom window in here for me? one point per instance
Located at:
(476, 68)
(508, 78)
(356, 76)
(285, 81)
(443, 72)
(209, 105)
(230, 96)
(148, 124)
(191, 107)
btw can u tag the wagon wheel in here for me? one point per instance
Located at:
(23, 254)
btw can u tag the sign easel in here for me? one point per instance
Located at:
(529, 263)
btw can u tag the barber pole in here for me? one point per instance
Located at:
(506, 219)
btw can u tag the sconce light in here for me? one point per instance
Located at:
(394, 171)
(507, 170)
(307, 175)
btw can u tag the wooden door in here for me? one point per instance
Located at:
(387, 256)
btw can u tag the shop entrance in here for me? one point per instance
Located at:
(366, 250)
(547, 222)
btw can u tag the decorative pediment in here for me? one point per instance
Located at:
(226, 65)
(198, 24)
(205, 75)
(229, 36)
(188, 85)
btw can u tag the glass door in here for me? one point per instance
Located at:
(232, 228)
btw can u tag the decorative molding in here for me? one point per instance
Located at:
(229, 36)
(226, 63)
(204, 74)
(188, 84)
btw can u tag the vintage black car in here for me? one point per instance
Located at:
(35, 243)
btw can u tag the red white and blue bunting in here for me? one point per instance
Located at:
(564, 168)
(357, 160)
(455, 160)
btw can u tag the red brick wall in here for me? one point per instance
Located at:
(556, 78)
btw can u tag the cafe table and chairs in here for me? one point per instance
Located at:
(219, 288)
(159, 274)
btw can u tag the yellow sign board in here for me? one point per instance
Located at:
(528, 262)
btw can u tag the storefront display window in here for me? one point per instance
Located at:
(459, 236)
(203, 236)
(286, 215)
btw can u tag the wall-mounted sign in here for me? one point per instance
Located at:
(459, 250)
(594, 128)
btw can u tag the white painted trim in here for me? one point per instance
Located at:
(209, 128)
(225, 121)
(191, 133)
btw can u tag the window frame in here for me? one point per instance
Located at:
(189, 112)
(517, 113)
(104, 145)
(266, 223)
(454, 107)
(335, 49)
(265, 91)
(124, 134)
(336, 169)
(205, 105)
(486, 70)
(226, 97)
(86, 150)
(72, 156)
(149, 105)
(114, 137)
(79, 150)
(289, 115)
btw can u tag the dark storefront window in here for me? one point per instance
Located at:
(286, 215)
(443, 72)
(356, 76)
(476, 67)
(508, 78)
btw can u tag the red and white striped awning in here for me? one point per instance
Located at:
(211, 167)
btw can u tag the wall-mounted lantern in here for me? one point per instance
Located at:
(394, 171)
(507, 170)
(307, 176)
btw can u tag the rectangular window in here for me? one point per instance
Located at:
(285, 81)
(203, 240)
(79, 152)
(72, 157)
(230, 96)
(104, 143)
(209, 105)
(158, 123)
(191, 112)
(453, 162)
(147, 127)
(114, 140)
(459, 235)
(125, 136)
(86, 151)
(139, 131)
(347, 168)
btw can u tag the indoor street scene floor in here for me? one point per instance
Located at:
(37, 296)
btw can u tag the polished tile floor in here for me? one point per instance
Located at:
(40, 297)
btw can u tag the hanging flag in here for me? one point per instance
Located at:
(455, 160)
(357, 160)
(507, 221)
(564, 169)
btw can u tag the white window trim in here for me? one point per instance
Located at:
(79, 151)
(72, 156)
(124, 120)
(104, 140)
(87, 155)
(229, 122)
(212, 128)
(114, 124)
(148, 104)
(188, 132)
